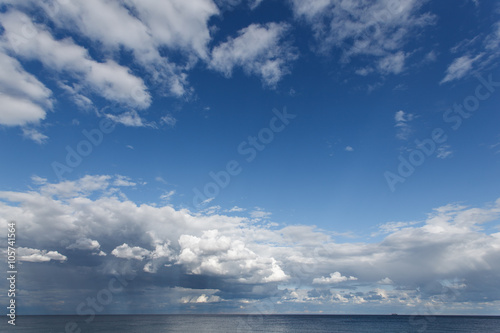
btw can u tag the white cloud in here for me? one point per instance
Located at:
(108, 79)
(201, 299)
(123, 181)
(166, 196)
(168, 120)
(143, 27)
(451, 242)
(85, 244)
(23, 98)
(35, 255)
(402, 124)
(38, 180)
(216, 254)
(82, 186)
(349, 148)
(386, 281)
(479, 53)
(177, 23)
(259, 50)
(391, 227)
(130, 118)
(392, 64)
(235, 209)
(333, 278)
(124, 251)
(259, 214)
(444, 151)
(459, 68)
(376, 28)
(254, 4)
(206, 201)
(34, 135)
(492, 41)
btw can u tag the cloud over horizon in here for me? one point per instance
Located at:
(242, 259)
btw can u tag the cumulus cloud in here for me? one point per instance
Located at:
(258, 49)
(215, 254)
(335, 277)
(124, 251)
(385, 280)
(85, 244)
(23, 98)
(108, 79)
(454, 247)
(35, 255)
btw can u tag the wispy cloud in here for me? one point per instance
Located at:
(444, 151)
(379, 29)
(403, 120)
(459, 68)
(258, 49)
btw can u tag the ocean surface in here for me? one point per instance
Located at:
(252, 323)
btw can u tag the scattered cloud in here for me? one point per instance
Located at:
(392, 64)
(123, 181)
(23, 98)
(35, 135)
(235, 209)
(478, 53)
(386, 281)
(257, 49)
(124, 251)
(459, 68)
(349, 148)
(259, 214)
(130, 118)
(201, 299)
(167, 195)
(333, 278)
(391, 227)
(35, 255)
(85, 244)
(168, 120)
(379, 29)
(206, 201)
(107, 79)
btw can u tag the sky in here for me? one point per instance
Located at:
(251, 156)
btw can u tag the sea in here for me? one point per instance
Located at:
(252, 323)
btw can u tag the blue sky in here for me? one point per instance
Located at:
(355, 146)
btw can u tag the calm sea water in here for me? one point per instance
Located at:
(252, 323)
